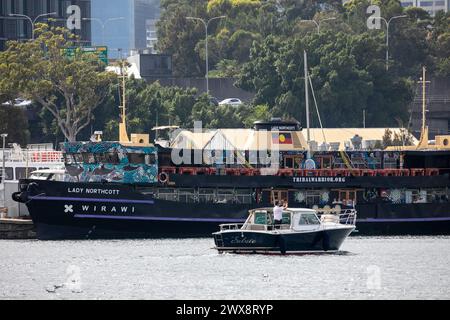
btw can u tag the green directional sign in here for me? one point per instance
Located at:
(100, 51)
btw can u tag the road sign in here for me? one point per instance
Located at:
(100, 51)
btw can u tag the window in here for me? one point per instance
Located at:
(112, 158)
(244, 196)
(286, 218)
(89, 158)
(69, 159)
(326, 162)
(261, 217)
(293, 162)
(437, 196)
(136, 158)
(206, 195)
(23, 173)
(225, 196)
(313, 197)
(150, 159)
(308, 219)
(277, 195)
(8, 173)
(78, 157)
(101, 157)
(347, 197)
(73, 158)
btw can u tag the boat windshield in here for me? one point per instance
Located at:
(262, 217)
(265, 217)
(308, 219)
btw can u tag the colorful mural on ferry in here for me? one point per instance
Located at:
(110, 162)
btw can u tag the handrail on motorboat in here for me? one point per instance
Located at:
(253, 226)
(231, 226)
(345, 216)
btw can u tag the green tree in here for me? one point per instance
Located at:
(148, 105)
(440, 43)
(212, 116)
(347, 71)
(69, 88)
(179, 37)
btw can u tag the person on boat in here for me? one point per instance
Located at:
(277, 213)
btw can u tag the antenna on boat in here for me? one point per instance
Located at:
(308, 137)
(424, 133)
(123, 135)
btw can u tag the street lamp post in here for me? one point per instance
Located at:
(387, 35)
(318, 23)
(103, 24)
(206, 24)
(4, 135)
(33, 22)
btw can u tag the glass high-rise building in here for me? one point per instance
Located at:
(125, 25)
(20, 28)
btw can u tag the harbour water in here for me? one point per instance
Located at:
(368, 268)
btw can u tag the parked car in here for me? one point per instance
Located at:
(19, 102)
(214, 101)
(231, 102)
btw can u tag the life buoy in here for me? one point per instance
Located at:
(163, 177)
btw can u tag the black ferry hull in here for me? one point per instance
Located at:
(243, 241)
(110, 211)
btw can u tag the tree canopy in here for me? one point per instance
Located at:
(70, 88)
(261, 43)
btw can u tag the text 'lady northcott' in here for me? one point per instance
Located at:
(93, 191)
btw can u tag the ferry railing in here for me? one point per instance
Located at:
(388, 170)
(32, 156)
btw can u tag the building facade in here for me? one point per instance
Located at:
(431, 6)
(125, 26)
(68, 13)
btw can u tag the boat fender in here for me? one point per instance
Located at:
(21, 197)
(282, 244)
(163, 177)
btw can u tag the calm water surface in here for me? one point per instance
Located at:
(369, 268)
